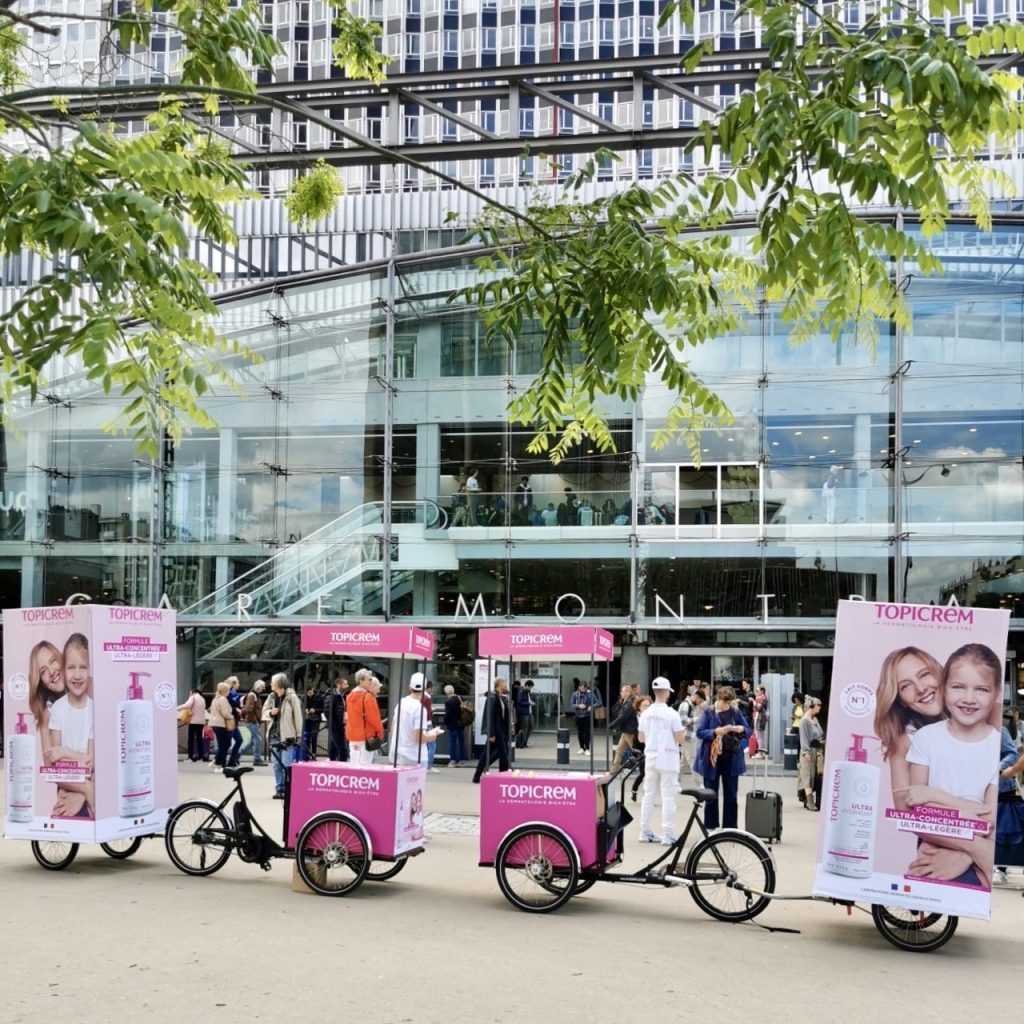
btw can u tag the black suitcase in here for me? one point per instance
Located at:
(762, 814)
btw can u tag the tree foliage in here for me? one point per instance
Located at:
(897, 114)
(111, 211)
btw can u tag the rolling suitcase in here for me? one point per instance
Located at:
(762, 815)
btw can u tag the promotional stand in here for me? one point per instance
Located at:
(547, 643)
(91, 726)
(340, 819)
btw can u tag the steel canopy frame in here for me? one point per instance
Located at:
(548, 643)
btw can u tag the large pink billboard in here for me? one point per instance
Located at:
(369, 641)
(90, 722)
(911, 762)
(547, 643)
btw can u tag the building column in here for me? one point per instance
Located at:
(227, 487)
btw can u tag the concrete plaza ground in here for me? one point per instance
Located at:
(107, 941)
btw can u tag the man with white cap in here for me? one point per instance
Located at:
(660, 729)
(412, 730)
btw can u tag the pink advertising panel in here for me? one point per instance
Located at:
(368, 641)
(90, 722)
(911, 761)
(570, 801)
(387, 801)
(547, 643)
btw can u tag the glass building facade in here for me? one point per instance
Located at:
(331, 489)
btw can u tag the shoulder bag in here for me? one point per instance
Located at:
(371, 742)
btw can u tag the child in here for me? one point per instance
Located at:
(71, 727)
(955, 762)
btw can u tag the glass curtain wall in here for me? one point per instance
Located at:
(889, 472)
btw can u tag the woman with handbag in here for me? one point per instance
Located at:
(812, 742)
(222, 720)
(723, 733)
(193, 714)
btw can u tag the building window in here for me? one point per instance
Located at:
(527, 37)
(489, 40)
(451, 42)
(412, 44)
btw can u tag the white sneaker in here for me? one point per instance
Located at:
(999, 877)
(649, 837)
(434, 771)
(668, 839)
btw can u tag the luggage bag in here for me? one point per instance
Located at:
(762, 814)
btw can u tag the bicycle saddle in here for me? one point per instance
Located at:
(701, 795)
(233, 773)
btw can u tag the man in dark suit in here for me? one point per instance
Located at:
(496, 730)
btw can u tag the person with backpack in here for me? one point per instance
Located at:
(252, 722)
(454, 727)
(334, 711)
(525, 705)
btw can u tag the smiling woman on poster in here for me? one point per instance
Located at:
(908, 698)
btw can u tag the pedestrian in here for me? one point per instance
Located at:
(623, 725)
(723, 733)
(196, 707)
(582, 704)
(697, 702)
(660, 729)
(797, 700)
(220, 715)
(235, 732)
(686, 712)
(472, 486)
(745, 700)
(334, 711)
(311, 719)
(428, 706)
(285, 729)
(811, 741)
(522, 501)
(525, 705)
(252, 714)
(412, 733)
(362, 718)
(496, 724)
(640, 705)
(454, 727)
(761, 722)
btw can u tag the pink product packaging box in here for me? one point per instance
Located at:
(387, 801)
(569, 801)
(90, 721)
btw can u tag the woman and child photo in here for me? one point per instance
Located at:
(939, 730)
(60, 699)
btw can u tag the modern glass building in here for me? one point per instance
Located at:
(895, 474)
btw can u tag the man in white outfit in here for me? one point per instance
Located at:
(660, 729)
(412, 730)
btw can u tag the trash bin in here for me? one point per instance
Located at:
(790, 751)
(562, 739)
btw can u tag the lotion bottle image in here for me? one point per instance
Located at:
(21, 771)
(135, 751)
(850, 799)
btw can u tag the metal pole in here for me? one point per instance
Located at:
(389, 416)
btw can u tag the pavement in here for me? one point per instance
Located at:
(109, 940)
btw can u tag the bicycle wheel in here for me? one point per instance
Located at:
(720, 865)
(536, 868)
(382, 870)
(913, 930)
(198, 838)
(121, 849)
(53, 855)
(333, 854)
(583, 885)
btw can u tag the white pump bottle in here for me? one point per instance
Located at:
(850, 799)
(135, 751)
(21, 771)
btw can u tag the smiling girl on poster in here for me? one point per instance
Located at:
(71, 729)
(955, 763)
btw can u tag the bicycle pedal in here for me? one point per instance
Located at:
(266, 865)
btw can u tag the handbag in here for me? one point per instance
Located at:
(600, 713)
(185, 716)
(465, 714)
(371, 743)
(230, 724)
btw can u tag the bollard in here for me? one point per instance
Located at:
(791, 751)
(562, 745)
